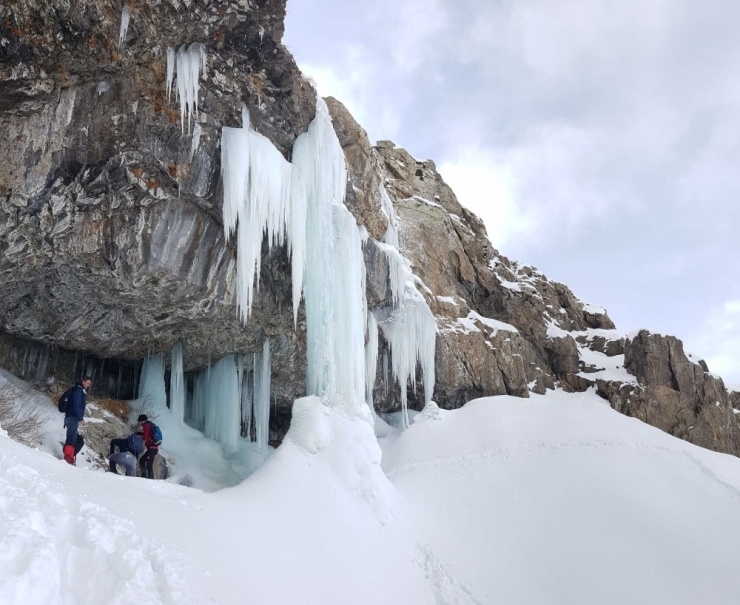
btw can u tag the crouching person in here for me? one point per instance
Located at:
(129, 450)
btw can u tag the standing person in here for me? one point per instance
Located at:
(74, 417)
(146, 462)
(129, 450)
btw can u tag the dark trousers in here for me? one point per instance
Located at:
(146, 463)
(121, 444)
(71, 423)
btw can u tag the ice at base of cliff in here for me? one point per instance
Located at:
(213, 455)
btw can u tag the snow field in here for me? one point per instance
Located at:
(559, 499)
(57, 546)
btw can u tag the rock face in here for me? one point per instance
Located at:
(111, 239)
(112, 243)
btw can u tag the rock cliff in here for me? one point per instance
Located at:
(112, 243)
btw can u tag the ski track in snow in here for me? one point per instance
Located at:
(57, 548)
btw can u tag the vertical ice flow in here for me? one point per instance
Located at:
(262, 370)
(177, 384)
(196, 140)
(371, 358)
(151, 384)
(223, 414)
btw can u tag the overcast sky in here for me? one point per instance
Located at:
(598, 140)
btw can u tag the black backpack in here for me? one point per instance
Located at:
(65, 401)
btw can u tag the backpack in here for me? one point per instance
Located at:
(65, 401)
(135, 445)
(156, 434)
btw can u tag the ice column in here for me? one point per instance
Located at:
(246, 403)
(177, 384)
(200, 392)
(224, 399)
(262, 371)
(152, 390)
(125, 18)
(371, 358)
(328, 257)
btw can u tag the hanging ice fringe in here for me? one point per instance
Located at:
(125, 18)
(189, 64)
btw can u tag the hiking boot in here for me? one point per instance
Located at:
(69, 454)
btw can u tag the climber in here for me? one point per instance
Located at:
(129, 450)
(74, 417)
(147, 432)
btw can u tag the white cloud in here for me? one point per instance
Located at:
(719, 340)
(487, 187)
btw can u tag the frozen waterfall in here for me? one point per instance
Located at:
(303, 204)
(411, 329)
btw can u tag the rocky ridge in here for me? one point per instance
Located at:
(112, 244)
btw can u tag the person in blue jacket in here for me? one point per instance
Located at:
(75, 417)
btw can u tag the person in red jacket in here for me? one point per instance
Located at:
(146, 462)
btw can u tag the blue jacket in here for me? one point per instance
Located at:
(79, 401)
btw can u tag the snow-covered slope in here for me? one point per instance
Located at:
(555, 499)
(560, 499)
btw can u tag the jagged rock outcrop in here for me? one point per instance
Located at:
(112, 243)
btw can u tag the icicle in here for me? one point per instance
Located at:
(170, 70)
(125, 17)
(102, 87)
(196, 140)
(177, 384)
(411, 333)
(190, 62)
